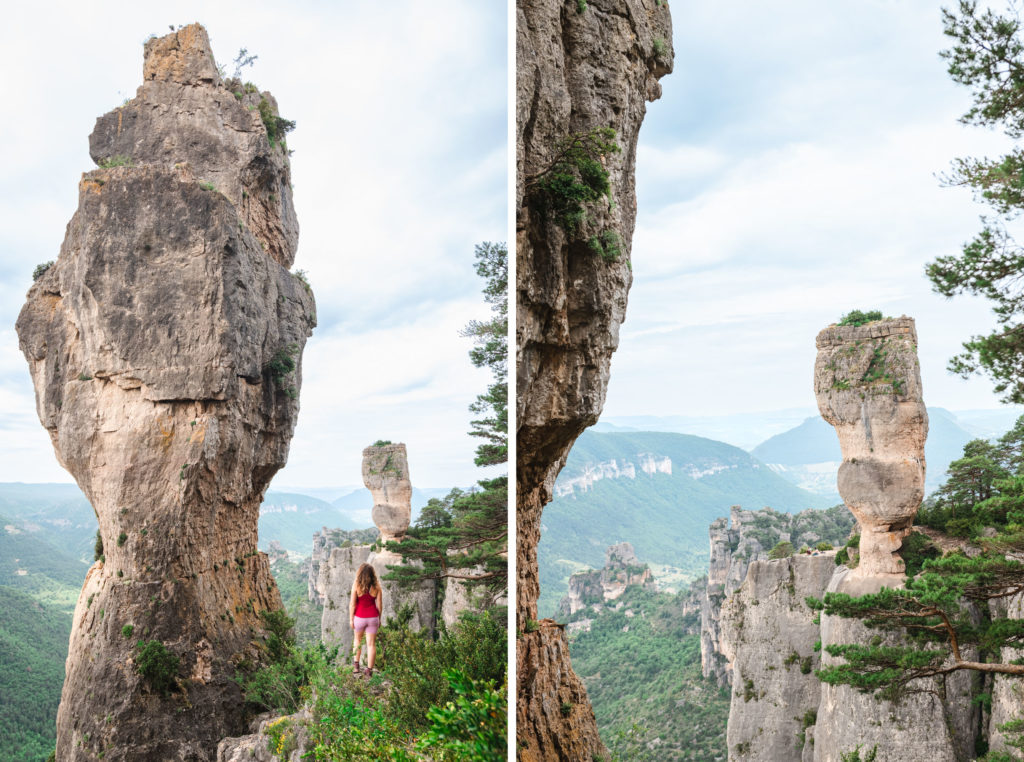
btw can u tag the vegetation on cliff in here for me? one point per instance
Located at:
(945, 607)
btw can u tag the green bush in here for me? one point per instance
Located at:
(824, 546)
(277, 127)
(474, 726)
(127, 630)
(157, 665)
(783, 550)
(98, 547)
(856, 317)
(121, 539)
(117, 161)
(577, 176)
(281, 364)
(40, 270)
(381, 442)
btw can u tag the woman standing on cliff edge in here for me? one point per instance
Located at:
(364, 608)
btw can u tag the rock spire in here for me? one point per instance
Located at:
(165, 347)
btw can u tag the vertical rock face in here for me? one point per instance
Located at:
(737, 542)
(579, 67)
(768, 635)
(868, 386)
(386, 475)
(165, 348)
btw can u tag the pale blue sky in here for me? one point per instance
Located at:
(399, 170)
(787, 176)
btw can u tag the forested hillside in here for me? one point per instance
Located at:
(605, 496)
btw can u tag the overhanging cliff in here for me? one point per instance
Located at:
(584, 73)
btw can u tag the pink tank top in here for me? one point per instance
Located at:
(366, 607)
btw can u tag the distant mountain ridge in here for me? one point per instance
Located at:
(808, 455)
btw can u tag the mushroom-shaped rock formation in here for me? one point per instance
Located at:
(868, 386)
(165, 347)
(386, 475)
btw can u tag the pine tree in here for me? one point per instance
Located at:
(943, 614)
(465, 535)
(988, 57)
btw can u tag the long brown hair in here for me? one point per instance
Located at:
(366, 580)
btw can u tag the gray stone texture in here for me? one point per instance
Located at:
(768, 636)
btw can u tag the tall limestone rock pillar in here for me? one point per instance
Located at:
(578, 69)
(386, 475)
(868, 386)
(165, 348)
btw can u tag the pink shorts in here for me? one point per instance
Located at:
(369, 624)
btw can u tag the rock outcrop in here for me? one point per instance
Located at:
(386, 475)
(769, 636)
(165, 348)
(868, 386)
(596, 588)
(737, 542)
(579, 68)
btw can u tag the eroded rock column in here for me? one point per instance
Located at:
(868, 386)
(165, 348)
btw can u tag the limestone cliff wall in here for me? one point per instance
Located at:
(165, 349)
(737, 542)
(580, 66)
(769, 636)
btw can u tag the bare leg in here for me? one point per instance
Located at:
(371, 649)
(357, 647)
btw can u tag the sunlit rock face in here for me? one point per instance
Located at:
(165, 347)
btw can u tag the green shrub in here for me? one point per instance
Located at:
(157, 665)
(117, 161)
(207, 186)
(581, 6)
(782, 550)
(281, 364)
(381, 442)
(127, 630)
(824, 546)
(660, 47)
(121, 539)
(40, 270)
(98, 547)
(854, 756)
(856, 317)
(276, 127)
(606, 245)
(577, 176)
(474, 726)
